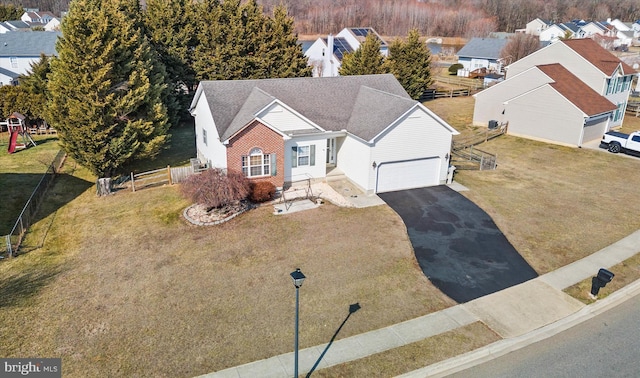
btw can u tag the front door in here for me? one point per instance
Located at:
(331, 151)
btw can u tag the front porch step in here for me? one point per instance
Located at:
(335, 177)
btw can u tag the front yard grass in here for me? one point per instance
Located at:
(122, 286)
(125, 287)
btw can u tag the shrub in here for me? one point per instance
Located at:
(262, 191)
(215, 188)
(453, 69)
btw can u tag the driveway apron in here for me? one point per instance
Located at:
(457, 245)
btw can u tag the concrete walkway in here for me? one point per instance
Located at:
(521, 314)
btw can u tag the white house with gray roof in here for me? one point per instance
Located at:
(19, 50)
(482, 53)
(288, 130)
(325, 54)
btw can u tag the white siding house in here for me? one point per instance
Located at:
(366, 127)
(547, 103)
(19, 50)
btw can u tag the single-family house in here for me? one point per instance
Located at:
(537, 26)
(19, 50)
(297, 129)
(557, 32)
(598, 28)
(547, 103)
(38, 17)
(598, 68)
(53, 25)
(325, 54)
(16, 25)
(482, 53)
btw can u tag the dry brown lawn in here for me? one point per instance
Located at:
(123, 286)
(555, 204)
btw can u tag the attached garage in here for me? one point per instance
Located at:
(408, 174)
(594, 128)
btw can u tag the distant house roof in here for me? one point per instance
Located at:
(28, 43)
(9, 73)
(363, 105)
(487, 48)
(340, 47)
(599, 57)
(361, 34)
(17, 24)
(576, 91)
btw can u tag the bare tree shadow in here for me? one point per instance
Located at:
(352, 309)
(21, 287)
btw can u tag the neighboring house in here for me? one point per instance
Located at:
(537, 26)
(598, 68)
(482, 53)
(38, 17)
(19, 50)
(366, 127)
(325, 54)
(557, 32)
(16, 26)
(547, 103)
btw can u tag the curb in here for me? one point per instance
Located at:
(502, 347)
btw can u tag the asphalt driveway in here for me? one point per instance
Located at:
(458, 246)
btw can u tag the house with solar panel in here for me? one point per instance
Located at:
(19, 50)
(325, 54)
(364, 128)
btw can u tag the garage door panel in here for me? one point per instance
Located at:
(593, 132)
(408, 174)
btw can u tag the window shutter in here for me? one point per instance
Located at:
(294, 156)
(272, 160)
(312, 155)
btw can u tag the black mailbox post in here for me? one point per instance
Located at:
(601, 280)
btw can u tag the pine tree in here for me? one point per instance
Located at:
(170, 26)
(280, 54)
(410, 62)
(366, 60)
(105, 90)
(35, 85)
(238, 41)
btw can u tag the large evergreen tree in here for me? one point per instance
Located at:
(170, 25)
(410, 62)
(366, 60)
(10, 12)
(236, 40)
(35, 85)
(105, 88)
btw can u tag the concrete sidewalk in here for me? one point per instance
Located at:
(521, 314)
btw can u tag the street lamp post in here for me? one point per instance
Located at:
(298, 278)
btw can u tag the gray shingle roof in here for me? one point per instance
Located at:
(487, 48)
(28, 43)
(363, 105)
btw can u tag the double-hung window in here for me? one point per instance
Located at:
(303, 155)
(258, 164)
(14, 62)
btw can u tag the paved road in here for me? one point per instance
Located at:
(607, 345)
(457, 244)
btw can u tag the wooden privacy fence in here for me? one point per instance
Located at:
(27, 215)
(162, 176)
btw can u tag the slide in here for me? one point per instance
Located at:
(12, 141)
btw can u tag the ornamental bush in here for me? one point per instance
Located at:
(215, 188)
(453, 69)
(262, 191)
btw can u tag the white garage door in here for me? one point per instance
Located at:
(593, 131)
(408, 174)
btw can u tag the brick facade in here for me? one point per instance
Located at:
(257, 135)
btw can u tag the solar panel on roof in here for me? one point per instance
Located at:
(361, 32)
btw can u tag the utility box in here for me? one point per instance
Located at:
(493, 124)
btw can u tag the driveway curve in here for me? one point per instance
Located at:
(457, 245)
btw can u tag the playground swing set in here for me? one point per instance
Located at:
(16, 127)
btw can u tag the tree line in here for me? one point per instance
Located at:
(124, 75)
(445, 18)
